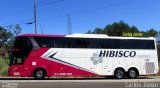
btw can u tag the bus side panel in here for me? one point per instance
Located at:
(64, 64)
(119, 62)
(133, 63)
(87, 59)
(148, 62)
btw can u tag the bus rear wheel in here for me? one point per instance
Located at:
(119, 73)
(39, 74)
(132, 74)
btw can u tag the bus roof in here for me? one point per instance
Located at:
(85, 36)
(106, 36)
(42, 35)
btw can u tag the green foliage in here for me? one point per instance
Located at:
(152, 32)
(5, 37)
(98, 31)
(89, 32)
(118, 28)
(4, 64)
(115, 29)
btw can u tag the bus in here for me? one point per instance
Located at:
(82, 55)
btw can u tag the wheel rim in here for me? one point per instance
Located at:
(120, 74)
(132, 74)
(39, 74)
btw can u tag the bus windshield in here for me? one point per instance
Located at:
(20, 51)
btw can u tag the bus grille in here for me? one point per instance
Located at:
(150, 67)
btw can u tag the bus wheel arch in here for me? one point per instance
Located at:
(39, 73)
(119, 73)
(132, 73)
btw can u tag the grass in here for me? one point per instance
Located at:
(4, 64)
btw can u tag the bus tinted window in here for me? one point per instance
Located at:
(62, 43)
(72, 43)
(142, 44)
(82, 43)
(94, 43)
(123, 44)
(44, 41)
(150, 44)
(105, 43)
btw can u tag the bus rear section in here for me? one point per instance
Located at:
(49, 55)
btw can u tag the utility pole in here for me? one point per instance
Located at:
(35, 17)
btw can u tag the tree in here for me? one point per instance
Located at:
(14, 30)
(118, 28)
(89, 32)
(7, 38)
(133, 29)
(17, 30)
(98, 31)
(4, 37)
(152, 32)
(115, 29)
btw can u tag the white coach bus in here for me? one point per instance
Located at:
(85, 55)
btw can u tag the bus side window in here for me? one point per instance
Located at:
(59, 43)
(82, 43)
(44, 42)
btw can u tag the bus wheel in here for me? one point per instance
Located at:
(119, 73)
(132, 74)
(39, 74)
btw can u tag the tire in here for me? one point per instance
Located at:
(119, 73)
(39, 74)
(132, 74)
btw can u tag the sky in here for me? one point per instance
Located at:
(84, 14)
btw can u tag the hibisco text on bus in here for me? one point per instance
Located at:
(40, 56)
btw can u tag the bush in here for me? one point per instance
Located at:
(4, 64)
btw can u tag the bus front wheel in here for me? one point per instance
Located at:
(39, 74)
